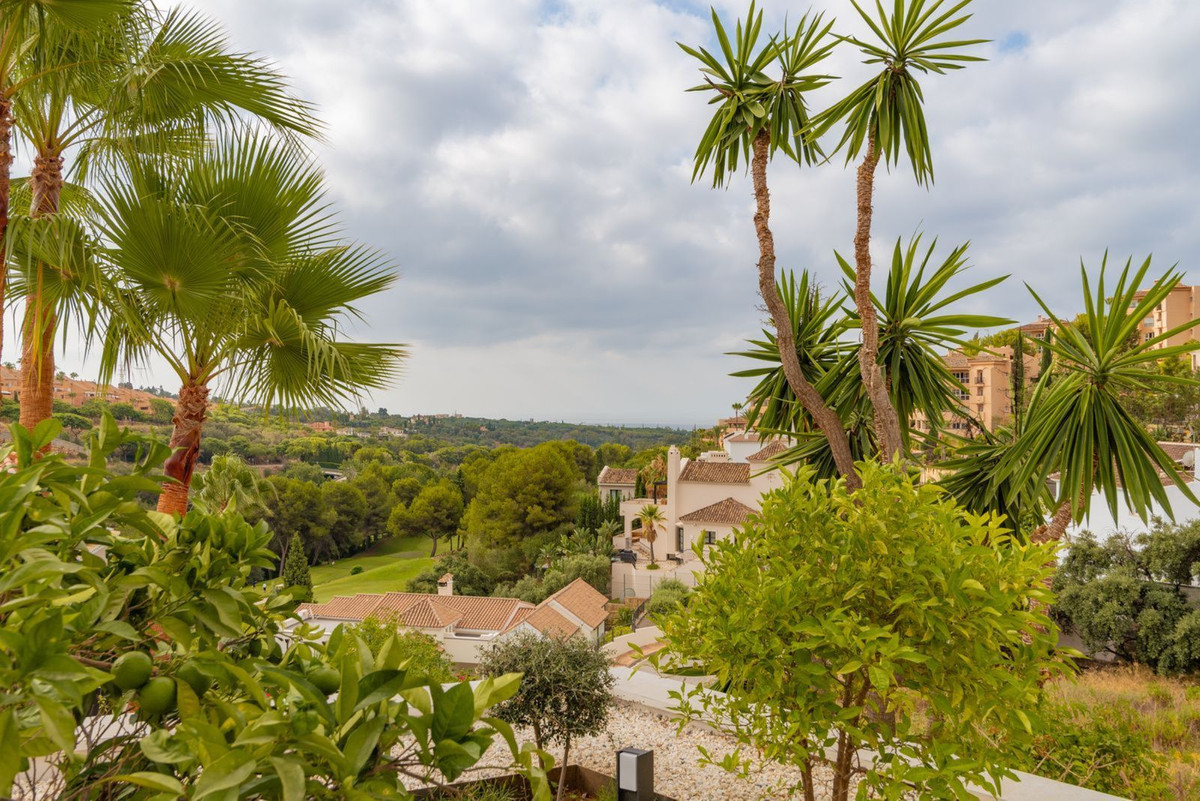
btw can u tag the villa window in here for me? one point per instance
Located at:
(679, 539)
(978, 376)
(710, 537)
(614, 495)
(979, 391)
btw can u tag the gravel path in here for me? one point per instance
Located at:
(677, 770)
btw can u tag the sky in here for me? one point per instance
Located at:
(527, 167)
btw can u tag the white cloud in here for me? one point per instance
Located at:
(527, 164)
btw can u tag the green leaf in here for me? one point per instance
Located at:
(152, 781)
(453, 712)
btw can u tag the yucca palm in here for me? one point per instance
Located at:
(652, 519)
(757, 115)
(884, 117)
(135, 82)
(916, 321)
(1078, 426)
(231, 270)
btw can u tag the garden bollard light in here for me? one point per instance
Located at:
(635, 775)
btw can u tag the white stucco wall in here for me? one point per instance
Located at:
(1102, 524)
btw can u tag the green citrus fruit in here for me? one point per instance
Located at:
(326, 679)
(157, 697)
(195, 679)
(131, 670)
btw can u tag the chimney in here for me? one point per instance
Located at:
(446, 584)
(672, 485)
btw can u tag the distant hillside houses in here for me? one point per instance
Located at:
(465, 624)
(77, 393)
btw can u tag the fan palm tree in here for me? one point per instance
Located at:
(230, 269)
(884, 115)
(757, 115)
(136, 81)
(230, 485)
(652, 519)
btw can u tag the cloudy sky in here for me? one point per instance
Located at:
(527, 166)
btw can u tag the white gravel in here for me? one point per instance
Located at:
(678, 773)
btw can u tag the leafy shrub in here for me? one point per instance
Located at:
(838, 615)
(354, 571)
(90, 578)
(419, 651)
(669, 596)
(1126, 596)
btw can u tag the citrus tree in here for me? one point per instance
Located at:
(135, 654)
(888, 619)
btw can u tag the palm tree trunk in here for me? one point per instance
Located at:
(1056, 528)
(887, 423)
(185, 448)
(41, 319)
(825, 418)
(6, 123)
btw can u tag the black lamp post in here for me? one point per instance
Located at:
(635, 775)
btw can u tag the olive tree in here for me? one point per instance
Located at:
(889, 620)
(565, 691)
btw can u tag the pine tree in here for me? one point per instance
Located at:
(639, 487)
(295, 569)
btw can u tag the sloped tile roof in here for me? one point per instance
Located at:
(727, 512)
(716, 472)
(582, 600)
(425, 613)
(746, 436)
(955, 358)
(548, 621)
(617, 475)
(342, 607)
(768, 453)
(424, 610)
(1177, 450)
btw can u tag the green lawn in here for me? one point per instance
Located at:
(387, 565)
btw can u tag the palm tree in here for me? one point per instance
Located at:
(1077, 425)
(651, 518)
(884, 115)
(230, 485)
(230, 269)
(134, 82)
(758, 115)
(20, 22)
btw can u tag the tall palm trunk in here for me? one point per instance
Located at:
(41, 318)
(6, 123)
(887, 422)
(825, 417)
(189, 419)
(1056, 528)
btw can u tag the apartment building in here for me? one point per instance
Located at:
(986, 392)
(1180, 307)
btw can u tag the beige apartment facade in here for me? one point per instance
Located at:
(986, 393)
(1180, 307)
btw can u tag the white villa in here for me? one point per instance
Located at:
(463, 624)
(705, 499)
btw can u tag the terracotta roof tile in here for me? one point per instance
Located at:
(727, 512)
(550, 622)
(768, 453)
(617, 475)
(716, 472)
(955, 358)
(1177, 450)
(342, 607)
(424, 610)
(747, 436)
(582, 600)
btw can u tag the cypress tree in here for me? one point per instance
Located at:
(1018, 380)
(295, 569)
